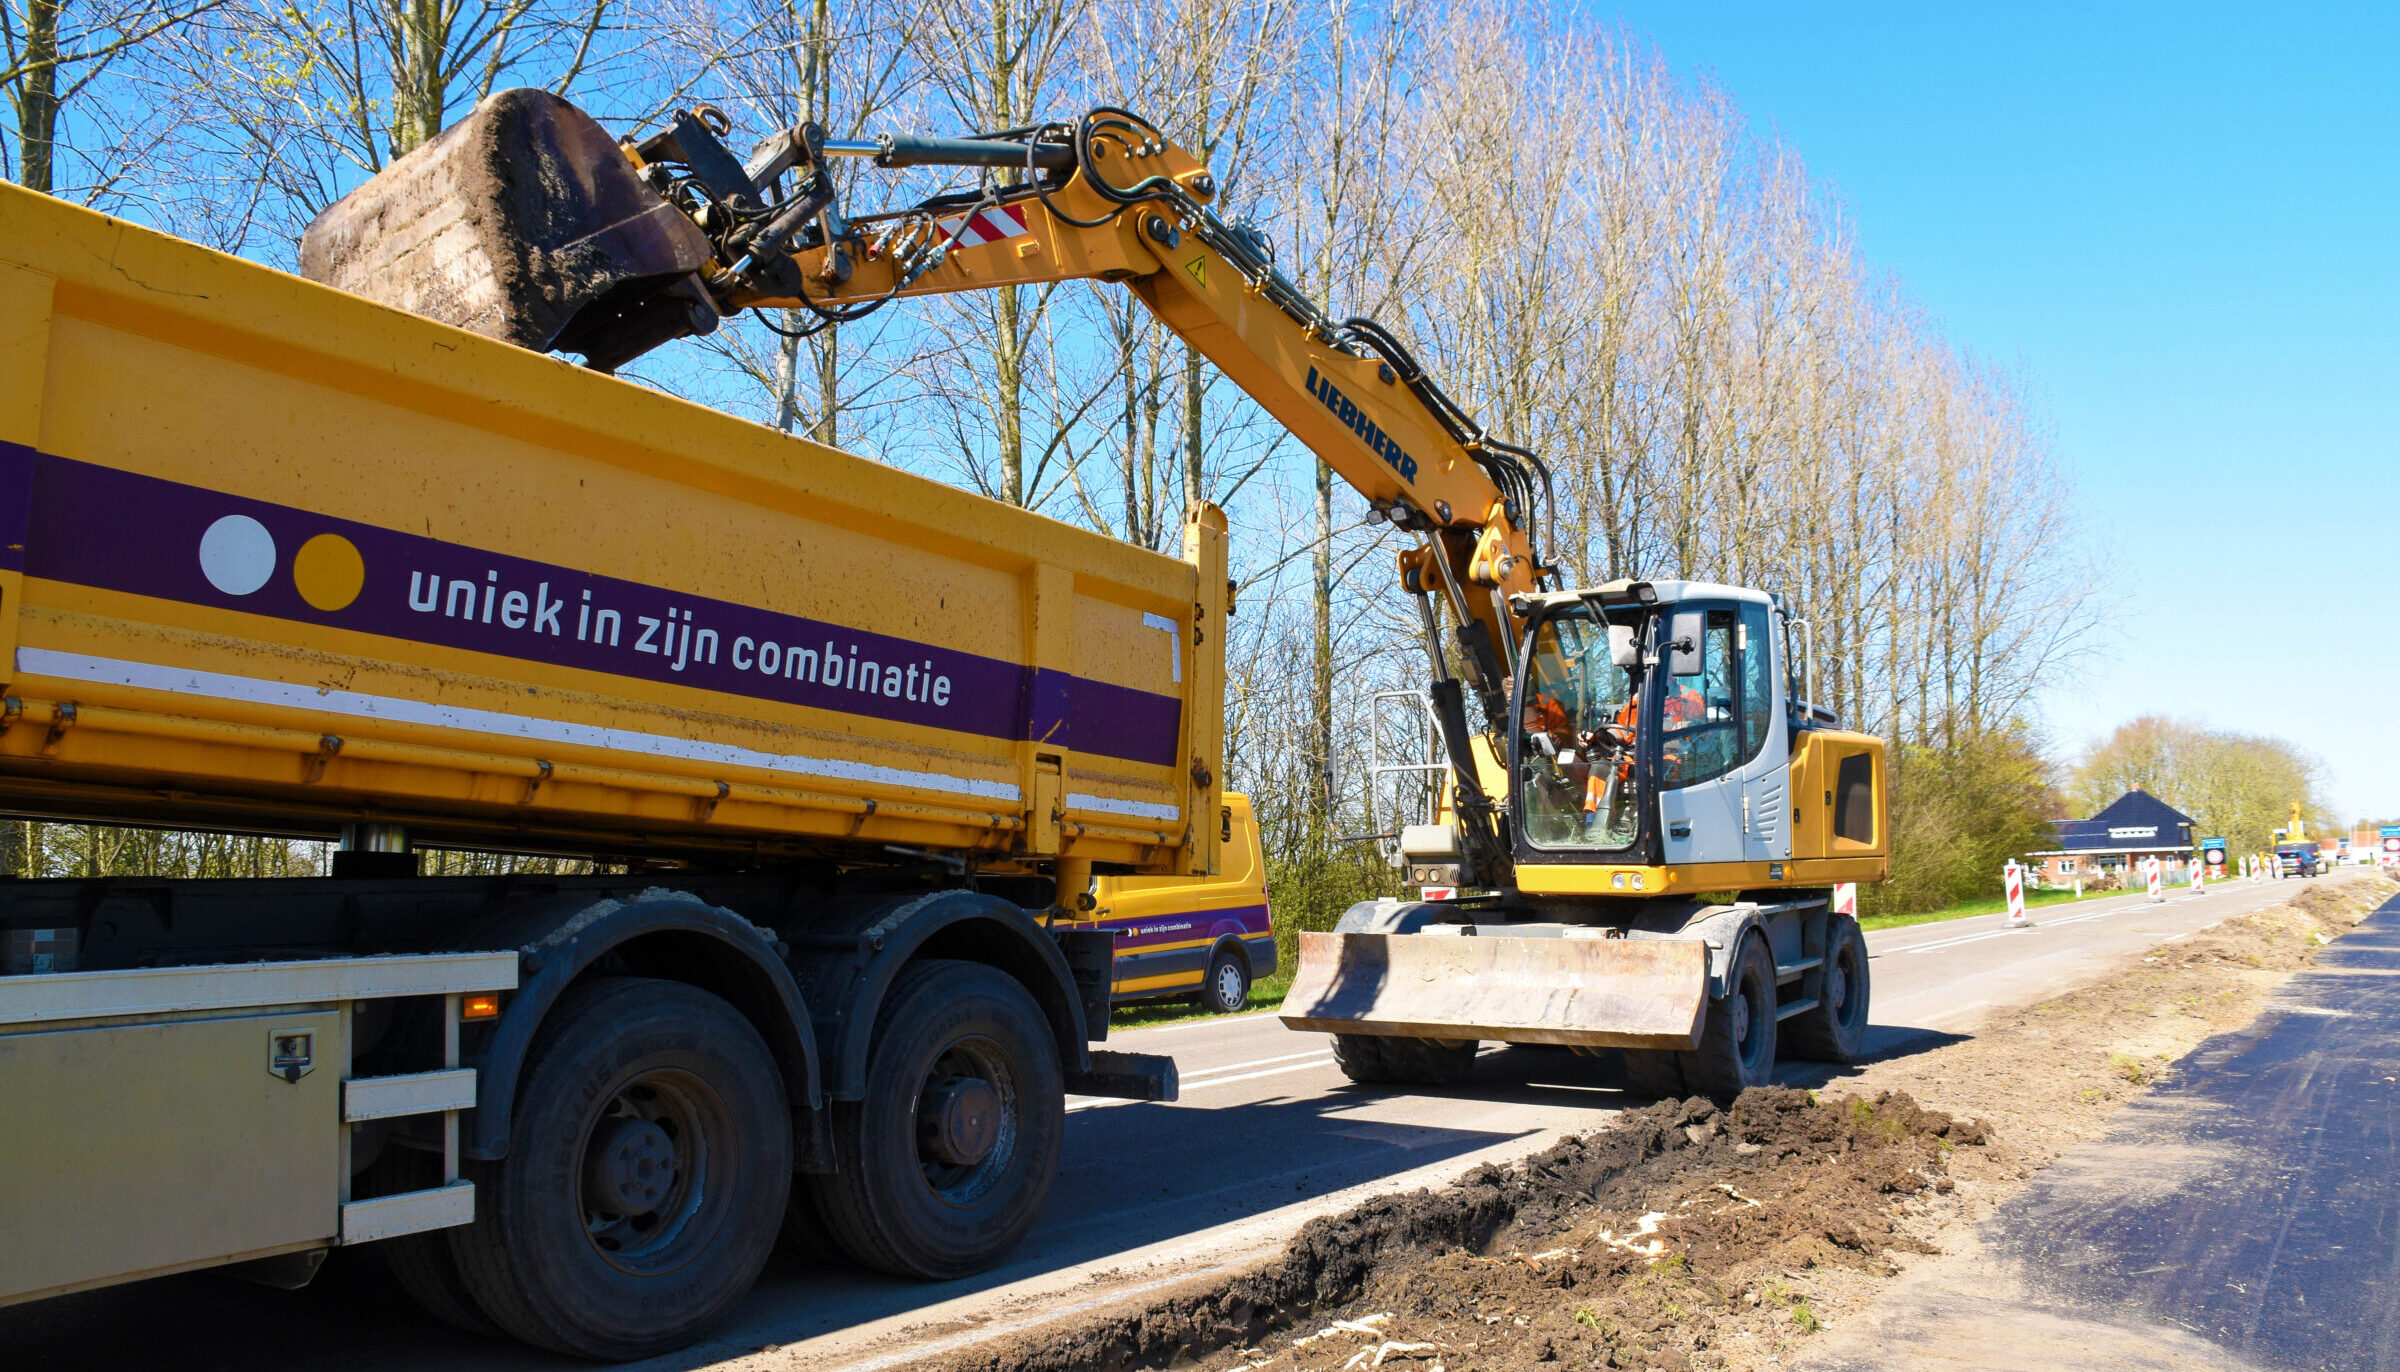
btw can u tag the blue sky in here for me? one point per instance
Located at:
(2182, 222)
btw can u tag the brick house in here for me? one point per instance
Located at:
(2134, 826)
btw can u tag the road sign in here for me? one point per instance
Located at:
(2157, 876)
(2012, 879)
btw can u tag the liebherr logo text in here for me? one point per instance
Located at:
(1347, 410)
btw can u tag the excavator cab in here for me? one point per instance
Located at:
(1656, 730)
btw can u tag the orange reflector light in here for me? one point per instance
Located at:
(485, 1005)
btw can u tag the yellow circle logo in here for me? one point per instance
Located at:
(329, 571)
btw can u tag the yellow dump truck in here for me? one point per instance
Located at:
(282, 560)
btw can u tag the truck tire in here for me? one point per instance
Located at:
(421, 1263)
(1737, 1041)
(1836, 1030)
(945, 1163)
(660, 1100)
(1225, 988)
(1385, 1060)
(804, 1236)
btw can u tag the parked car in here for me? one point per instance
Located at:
(1205, 938)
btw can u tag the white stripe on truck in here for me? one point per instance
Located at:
(251, 690)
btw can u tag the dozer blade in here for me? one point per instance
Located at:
(1592, 993)
(523, 222)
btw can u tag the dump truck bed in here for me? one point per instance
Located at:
(277, 557)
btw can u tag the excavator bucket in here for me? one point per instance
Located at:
(524, 222)
(1585, 992)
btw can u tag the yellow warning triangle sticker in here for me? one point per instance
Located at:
(1198, 267)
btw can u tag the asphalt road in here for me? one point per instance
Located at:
(1267, 1135)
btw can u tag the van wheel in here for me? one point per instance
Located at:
(1835, 1031)
(946, 1162)
(649, 1159)
(1226, 988)
(1385, 1060)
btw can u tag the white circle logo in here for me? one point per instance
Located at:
(237, 554)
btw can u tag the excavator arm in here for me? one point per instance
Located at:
(591, 264)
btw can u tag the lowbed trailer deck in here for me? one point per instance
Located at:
(283, 560)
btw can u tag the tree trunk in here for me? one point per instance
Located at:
(1320, 683)
(37, 96)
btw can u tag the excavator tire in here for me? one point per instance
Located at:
(1737, 1044)
(1653, 1073)
(1379, 1060)
(1836, 1030)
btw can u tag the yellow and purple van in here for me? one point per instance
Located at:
(1206, 938)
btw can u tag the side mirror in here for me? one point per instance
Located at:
(1623, 650)
(1684, 634)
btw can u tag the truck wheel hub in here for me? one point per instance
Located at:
(630, 1168)
(1837, 989)
(958, 1120)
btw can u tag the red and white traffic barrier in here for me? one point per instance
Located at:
(2152, 868)
(1845, 898)
(2199, 876)
(2012, 878)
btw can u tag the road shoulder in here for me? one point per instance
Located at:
(2235, 1216)
(2034, 1081)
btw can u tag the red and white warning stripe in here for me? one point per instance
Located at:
(2012, 881)
(985, 226)
(1845, 898)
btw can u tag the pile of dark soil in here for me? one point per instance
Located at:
(1637, 1246)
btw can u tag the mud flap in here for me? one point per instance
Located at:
(1126, 1076)
(523, 222)
(1593, 993)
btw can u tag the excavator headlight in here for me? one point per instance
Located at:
(1618, 881)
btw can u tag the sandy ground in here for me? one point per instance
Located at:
(1691, 1238)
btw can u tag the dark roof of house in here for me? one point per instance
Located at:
(2136, 819)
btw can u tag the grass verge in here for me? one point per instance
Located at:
(2034, 900)
(1264, 995)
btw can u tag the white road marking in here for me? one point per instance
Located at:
(1319, 1052)
(1203, 1022)
(1212, 1076)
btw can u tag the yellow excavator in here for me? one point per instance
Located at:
(1641, 816)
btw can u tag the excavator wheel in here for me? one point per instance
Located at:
(1378, 1060)
(1836, 1030)
(1653, 1073)
(1737, 1044)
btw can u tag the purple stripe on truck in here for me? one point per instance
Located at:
(1184, 926)
(98, 526)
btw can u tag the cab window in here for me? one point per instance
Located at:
(1574, 755)
(1699, 741)
(1758, 700)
